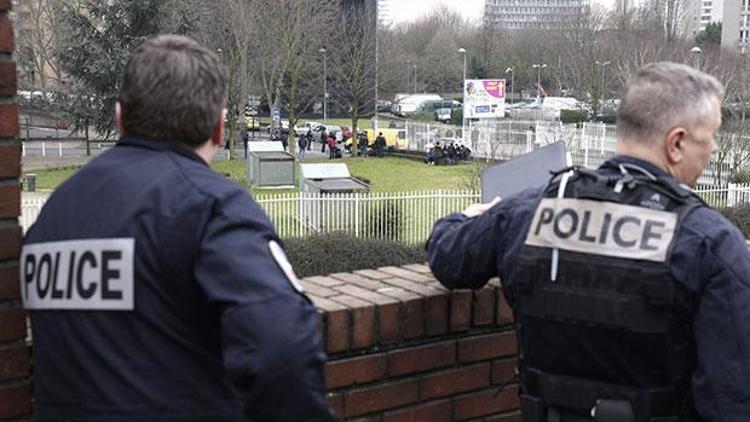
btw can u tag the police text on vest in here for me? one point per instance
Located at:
(602, 228)
(92, 274)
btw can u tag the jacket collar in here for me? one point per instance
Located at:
(159, 145)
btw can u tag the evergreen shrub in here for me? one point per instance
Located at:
(573, 116)
(339, 252)
(739, 215)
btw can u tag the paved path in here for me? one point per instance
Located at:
(31, 163)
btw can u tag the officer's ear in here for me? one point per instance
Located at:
(675, 144)
(218, 135)
(118, 119)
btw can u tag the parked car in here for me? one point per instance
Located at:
(443, 115)
(395, 139)
(335, 130)
(284, 126)
(303, 127)
(346, 133)
(252, 123)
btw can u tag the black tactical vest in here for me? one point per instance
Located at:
(602, 327)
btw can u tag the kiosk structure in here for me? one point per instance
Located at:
(269, 166)
(326, 200)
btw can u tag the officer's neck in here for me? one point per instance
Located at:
(207, 150)
(650, 153)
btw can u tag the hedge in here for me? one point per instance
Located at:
(573, 116)
(609, 119)
(739, 215)
(338, 252)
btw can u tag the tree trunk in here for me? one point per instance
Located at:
(355, 138)
(291, 106)
(88, 141)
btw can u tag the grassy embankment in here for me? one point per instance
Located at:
(384, 174)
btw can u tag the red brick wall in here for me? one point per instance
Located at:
(15, 390)
(403, 348)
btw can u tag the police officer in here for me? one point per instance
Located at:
(631, 296)
(158, 289)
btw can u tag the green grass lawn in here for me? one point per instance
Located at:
(385, 174)
(52, 178)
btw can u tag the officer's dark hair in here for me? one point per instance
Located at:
(664, 95)
(173, 90)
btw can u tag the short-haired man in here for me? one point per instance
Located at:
(631, 296)
(158, 289)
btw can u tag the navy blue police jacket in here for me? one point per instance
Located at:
(710, 257)
(158, 292)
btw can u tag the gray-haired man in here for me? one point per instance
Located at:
(631, 296)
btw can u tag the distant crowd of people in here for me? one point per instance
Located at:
(437, 153)
(336, 148)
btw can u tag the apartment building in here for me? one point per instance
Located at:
(535, 14)
(735, 30)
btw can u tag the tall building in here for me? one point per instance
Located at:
(735, 27)
(700, 13)
(535, 14)
(385, 19)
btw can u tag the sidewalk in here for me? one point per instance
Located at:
(31, 163)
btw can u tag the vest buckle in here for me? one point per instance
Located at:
(610, 410)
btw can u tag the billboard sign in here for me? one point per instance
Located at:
(484, 98)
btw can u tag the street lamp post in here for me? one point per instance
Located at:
(325, 86)
(602, 66)
(512, 85)
(463, 90)
(697, 53)
(415, 76)
(463, 51)
(539, 68)
(220, 52)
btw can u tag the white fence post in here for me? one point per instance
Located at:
(59, 149)
(23, 149)
(731, 194)
(357, 211)
(585, 143)
(44, 149)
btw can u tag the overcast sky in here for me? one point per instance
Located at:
(407, 10)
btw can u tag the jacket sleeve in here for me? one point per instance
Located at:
(272, 351)
(715, 262)
(465, 252)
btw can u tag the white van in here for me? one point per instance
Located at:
(410, 104)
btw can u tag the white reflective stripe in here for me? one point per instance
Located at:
(602, 228)
(91, 274)
(280, 257)
(556, 252)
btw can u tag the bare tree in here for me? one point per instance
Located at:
(284, 51)
(235, 17)
(37, 41)
(353, 65)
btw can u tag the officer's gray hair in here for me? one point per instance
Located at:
(662, 96)
(173, 90)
